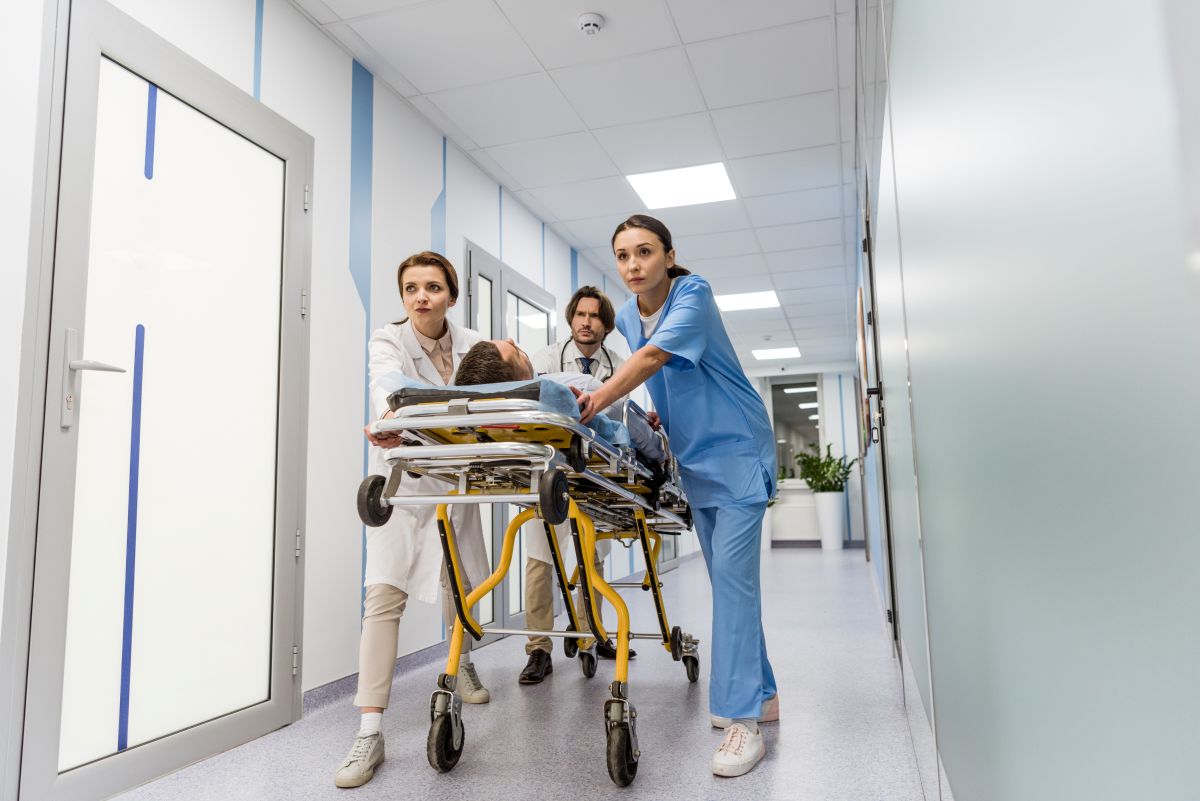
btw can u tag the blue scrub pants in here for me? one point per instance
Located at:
(741, 677)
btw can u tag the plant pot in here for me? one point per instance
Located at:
(831, 517)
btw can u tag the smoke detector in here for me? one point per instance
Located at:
(591, 23)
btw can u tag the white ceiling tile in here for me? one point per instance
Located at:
(804, 279)
(319, 11)
(662, 144)
(749, 264)
(845, 49)
(798, 310)
(551, 29)
(794, 207)
(635, 89)
(765, 65)
(800, 235)
(792, 297)
(525, 107)
(372, 60)
(809, 324)
(704, 218)
(707, 19)
(786, 172)
(777, 125)
(806, 259)
(557, 160)
(747, 283)
(602, 257)
(595, 232)
(448, 44)
(712, 246)
(582, 199)
(348, 9)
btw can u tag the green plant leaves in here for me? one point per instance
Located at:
(826, 473)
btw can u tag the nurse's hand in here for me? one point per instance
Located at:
(384, 439)
(587, 407)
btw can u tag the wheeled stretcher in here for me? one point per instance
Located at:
(523, 444)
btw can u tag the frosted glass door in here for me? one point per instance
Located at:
(170, 590)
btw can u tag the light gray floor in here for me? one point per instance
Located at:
(843, 732)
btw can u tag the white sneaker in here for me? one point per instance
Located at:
(360, 764)
(470, 688)
(769, 714)
(740, 751)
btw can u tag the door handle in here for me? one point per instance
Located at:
(72, 366)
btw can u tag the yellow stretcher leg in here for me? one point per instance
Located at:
(506, 552)
(588, 532)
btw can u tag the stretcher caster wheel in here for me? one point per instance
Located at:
(692, 665)
(570, 645)
(575, 455)
(371, 508)
(587, 661)
(440, 748)
(622, 762)
(676, 643)
(554, 499)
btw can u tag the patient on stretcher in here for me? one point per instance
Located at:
(499, 361)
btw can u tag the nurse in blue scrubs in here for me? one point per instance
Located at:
(722, 439)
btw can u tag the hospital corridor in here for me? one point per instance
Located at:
(606, 399)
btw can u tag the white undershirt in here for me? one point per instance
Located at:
(649, 322)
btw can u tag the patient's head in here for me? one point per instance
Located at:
(493, 361)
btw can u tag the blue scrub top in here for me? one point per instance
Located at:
(718, 424)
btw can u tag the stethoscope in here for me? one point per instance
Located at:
(562, 359)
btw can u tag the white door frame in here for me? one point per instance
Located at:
(60, 231)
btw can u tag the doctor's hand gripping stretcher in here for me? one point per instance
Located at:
(522, 443)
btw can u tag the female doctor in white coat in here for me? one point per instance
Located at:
(404, 556)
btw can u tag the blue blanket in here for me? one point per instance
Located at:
(552, 397)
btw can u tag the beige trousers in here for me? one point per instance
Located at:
(382, 609)
(539, 602)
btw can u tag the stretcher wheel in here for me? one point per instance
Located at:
(587, 661)
(692, 665)
(443, 756)
(371, 508)
(554, 499)
(676, 643)
(570, 644)
(575, 456)
(622, 763)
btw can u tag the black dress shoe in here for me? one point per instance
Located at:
(606, 650)
(537, 668)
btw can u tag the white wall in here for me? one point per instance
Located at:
(307, 79)
(1047, 292)
(839, 428)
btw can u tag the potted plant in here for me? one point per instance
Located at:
(826, 477)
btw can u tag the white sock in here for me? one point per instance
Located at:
(464, 658)
(749, 723)
(372, 723)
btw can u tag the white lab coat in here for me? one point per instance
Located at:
(406, 552)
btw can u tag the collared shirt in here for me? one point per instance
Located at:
(440, 352)
(564, 355)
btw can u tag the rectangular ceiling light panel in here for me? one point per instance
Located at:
(748, 300)
(776, 353)
(689, 186)
(794, 390)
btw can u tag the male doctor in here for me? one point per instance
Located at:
(591, 318)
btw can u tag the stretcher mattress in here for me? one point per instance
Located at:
(550, 397)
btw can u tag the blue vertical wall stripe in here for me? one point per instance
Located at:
(135, 458)
(437, 213)
(258, 28)
(543, 255)
(842, 418)
(500, 209)
(362, 143)
(574, 270)
(151, 120)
